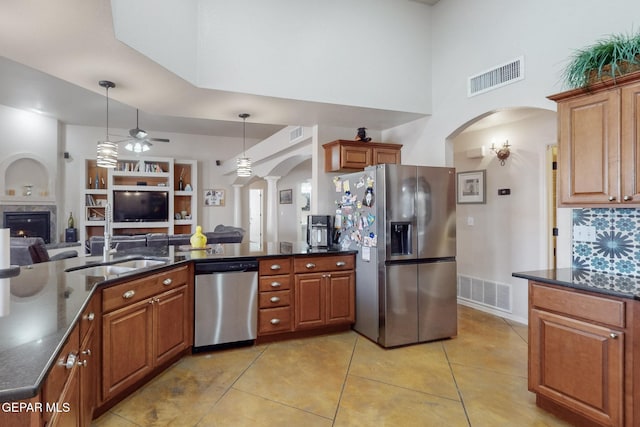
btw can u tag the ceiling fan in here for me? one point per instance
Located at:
(140, 141)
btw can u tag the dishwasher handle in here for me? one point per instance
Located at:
(226, 266)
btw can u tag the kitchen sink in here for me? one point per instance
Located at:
(116, 268)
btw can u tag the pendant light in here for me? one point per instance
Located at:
(244, 163)
(107, 153)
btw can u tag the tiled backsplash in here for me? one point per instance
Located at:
(617, 246)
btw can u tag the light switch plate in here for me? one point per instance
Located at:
(584, 233)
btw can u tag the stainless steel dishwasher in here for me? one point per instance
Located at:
(226, 303)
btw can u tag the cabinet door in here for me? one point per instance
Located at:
(355, 157)
(67, 410)
(630, 143)
(588, 151)
(578, 365)
(127, 347)
(89, 371)
(310, 300)
(386, 155)
(171, 324)
(340, 288)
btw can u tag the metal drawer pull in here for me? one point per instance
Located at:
(71, 361)
(275, 299)
(627, 198)
(310, 265)
(87, 352)
(90, 316)
(82, 363)
(167, 281)
(129, 294)
(340, 264)
(614, 336)
(276, 284)
(275, 321)
(612, 198)
(275, 267)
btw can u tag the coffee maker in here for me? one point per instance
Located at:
(319, 230)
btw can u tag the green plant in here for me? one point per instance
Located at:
(613, 56)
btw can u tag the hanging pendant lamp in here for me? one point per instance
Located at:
(107, 153)
(244, 163)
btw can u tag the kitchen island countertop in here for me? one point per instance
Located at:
(46, 301)
(591, 281)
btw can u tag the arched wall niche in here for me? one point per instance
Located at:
(25, 169)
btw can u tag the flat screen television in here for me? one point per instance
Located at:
(140, 206)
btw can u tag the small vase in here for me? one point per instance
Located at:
(198, 240)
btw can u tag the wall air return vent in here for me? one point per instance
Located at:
(295, 134)
(496, 77)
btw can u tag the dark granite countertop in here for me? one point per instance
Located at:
(592, 281)
(45, 302)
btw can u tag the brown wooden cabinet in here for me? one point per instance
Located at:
(274, 296)
(346, 156)
(598, 132)
(581, 355)
(146, 323)
(324, 291)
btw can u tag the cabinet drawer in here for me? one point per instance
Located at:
(274, 320)
(323, 263)
(589, 307)
(275, 299)
(275, 266)
(274, 283)
(139, 289)
(59, 373)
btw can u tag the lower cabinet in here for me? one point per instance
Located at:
(577, 360)
(325, 297)
(143, 326)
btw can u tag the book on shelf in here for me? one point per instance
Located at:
(90, 200)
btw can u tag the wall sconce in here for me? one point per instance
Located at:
(502, 153)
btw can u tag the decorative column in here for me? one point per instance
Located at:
(237, 205)
(271, 234)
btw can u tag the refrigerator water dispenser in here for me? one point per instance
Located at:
(400, 238)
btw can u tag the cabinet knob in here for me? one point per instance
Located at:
(275, 267)
(82, 363)
(167, 281)
(310, 265)
(613, 336)
(275, 299)
(627, 198)
(90, 316)
(276, 284)
(275, 321)
(87, 352)
(129, 294)
(340, 264)
(612, 198)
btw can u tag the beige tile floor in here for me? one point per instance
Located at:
(477, 379)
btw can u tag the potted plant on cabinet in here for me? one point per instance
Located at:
(609, 58)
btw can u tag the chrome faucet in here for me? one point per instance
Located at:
(107, 250)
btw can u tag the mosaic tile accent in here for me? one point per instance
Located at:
(617, 246)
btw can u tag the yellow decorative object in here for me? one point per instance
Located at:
(198, 240)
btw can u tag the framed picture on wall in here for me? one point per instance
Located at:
(213, 198)
(286, 197)
(471, 186)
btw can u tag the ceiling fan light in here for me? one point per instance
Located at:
(243, 167)
(137, 147)
(107, 154)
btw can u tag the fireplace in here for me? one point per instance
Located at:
(29, 224)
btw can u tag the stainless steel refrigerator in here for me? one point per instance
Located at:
(401, 219)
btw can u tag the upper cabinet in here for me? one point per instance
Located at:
(346, 156)
(598, 158)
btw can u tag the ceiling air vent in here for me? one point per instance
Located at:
(496, 77)
(295, 133)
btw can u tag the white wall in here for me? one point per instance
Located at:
(355, 52)
(290, 217)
